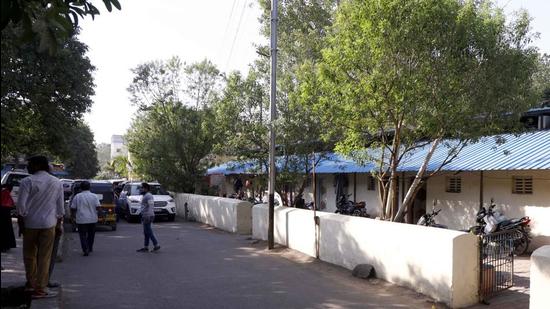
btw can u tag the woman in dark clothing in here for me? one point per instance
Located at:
(7, 236)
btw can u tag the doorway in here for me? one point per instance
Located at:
(419, 205)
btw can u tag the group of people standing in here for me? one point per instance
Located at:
(40, 209)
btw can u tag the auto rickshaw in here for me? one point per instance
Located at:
(106, 212)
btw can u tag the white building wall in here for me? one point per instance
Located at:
(371, 197)
(459, 209)
(328, 192)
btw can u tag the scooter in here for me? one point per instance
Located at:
(489, 221)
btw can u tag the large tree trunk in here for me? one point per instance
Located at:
(391, 195)
(413, 189)
(392, 200)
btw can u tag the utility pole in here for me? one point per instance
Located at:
(273, 116)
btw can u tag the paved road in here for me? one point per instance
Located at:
(201, 267)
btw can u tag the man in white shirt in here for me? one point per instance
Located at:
(40, 209)
(86, 204)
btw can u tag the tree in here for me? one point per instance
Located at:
(42, 97)
(541, 80)
(245, 102)
(202, 80)
(50, 22)
(168, 140)
(81, 161)
(103, 153)
(120, 165)
(396, 76)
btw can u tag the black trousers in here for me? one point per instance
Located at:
(87, 235)
(7, 236)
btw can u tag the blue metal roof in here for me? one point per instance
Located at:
(528, 151)
(335, 163)
(235, 168)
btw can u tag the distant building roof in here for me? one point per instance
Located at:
(528, 151)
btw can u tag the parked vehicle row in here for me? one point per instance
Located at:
(488, 221)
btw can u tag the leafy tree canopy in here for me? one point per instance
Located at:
(169, 140)
(395, 73)
(48, 21)
(42, 97)
(81, 161)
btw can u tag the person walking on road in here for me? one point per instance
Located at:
(86, 204)
(147, 218)
(40, 212)
(7, 236)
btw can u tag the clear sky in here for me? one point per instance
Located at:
(156, 30)
(193, 30)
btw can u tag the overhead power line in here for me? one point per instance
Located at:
(227, 24)
(236, 34)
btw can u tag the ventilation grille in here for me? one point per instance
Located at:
(454, 184)
(522, 185)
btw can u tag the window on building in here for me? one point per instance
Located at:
(453, 184)
(522, 185)
(118, 150)
(371, 183)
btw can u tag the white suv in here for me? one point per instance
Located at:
(131, 201)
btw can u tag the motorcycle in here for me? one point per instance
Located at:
(428, 219)
(347, 207)
(489, 221)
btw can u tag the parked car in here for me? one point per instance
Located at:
(165, 207)
(67, 187)
(14, 178)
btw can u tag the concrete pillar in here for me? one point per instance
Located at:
(540, 278)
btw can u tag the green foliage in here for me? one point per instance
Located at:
(168, 140)
(120, 165)
(541, 80)
(242, 118)
(81, 161)
(103, 154)
(42, 97)
(50, 22)
(243, 111)
(202, 80)
(397, 72)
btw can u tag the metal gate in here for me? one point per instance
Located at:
(496, 262)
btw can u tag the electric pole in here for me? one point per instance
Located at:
(273, 116)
